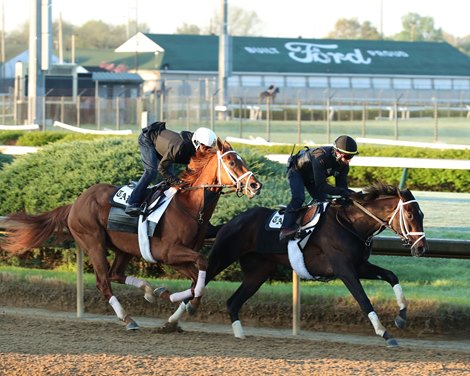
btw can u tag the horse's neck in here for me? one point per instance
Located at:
(372, 219)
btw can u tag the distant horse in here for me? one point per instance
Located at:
(339, 247)
(179, 235)
(270, 93)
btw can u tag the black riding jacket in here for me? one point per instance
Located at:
(315, 165)
(172, 148)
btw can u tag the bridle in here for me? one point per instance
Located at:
(237, 181)
(404, 233)
(239, 187)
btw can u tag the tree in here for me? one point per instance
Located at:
(240, 22)
(418, 28)
(188, 29)
(353, 29)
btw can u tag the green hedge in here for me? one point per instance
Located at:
(59, 172)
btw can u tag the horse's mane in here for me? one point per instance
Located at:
(196, 165)
(374, 191)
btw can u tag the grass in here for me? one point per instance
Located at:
(425, 280)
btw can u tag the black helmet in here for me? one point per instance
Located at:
(346, 145)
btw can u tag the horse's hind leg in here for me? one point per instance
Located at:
(374, 272)
(93, 243)
(117, 274)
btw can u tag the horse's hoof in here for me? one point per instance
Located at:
(162, 293)
(392, 343)
(190, 308)
(400, 322)
(170, 327)
(132, 326)
(150, 298)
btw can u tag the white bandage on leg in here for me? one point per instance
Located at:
(374, 319)
(179, 296)
(201, 282)
(133, 281)
(117, 308)
(238, 329)
(178, 313)
(400, 297)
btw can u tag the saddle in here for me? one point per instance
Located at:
(120, 221)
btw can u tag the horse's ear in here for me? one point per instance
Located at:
(399, 193)
(227, 145)
(220, 146)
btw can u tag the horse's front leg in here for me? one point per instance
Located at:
(117, 274)
(374, 272)
(352, 282)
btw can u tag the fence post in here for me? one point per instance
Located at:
(268, 118)
(299, 120)
(295, 303)
(80, 288)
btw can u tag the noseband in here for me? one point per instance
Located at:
(405, 232)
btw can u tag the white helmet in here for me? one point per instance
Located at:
(205, 137)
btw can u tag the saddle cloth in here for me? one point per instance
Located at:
(118, 220)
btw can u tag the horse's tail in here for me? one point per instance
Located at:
(25, 231)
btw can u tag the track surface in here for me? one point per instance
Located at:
(42, 342)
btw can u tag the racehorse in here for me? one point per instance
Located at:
(270, 93)
(179, 235)
(338, 247)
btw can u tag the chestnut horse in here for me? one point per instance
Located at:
(178, 237)
(339, 247)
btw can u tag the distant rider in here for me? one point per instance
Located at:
(160, 149)
(310, 168)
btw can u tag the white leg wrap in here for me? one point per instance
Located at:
(374, 319)
(117, 308)
(133, 281)
(201, 282)
(179, 296)
(178, 313)
(400, 297)
(238, 329)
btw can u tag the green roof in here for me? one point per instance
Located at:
(312, 56)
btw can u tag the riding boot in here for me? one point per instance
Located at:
(289, 228)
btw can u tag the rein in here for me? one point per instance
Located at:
(237, 186)
(405, 232)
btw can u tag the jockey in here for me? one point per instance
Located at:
(160, 148)
(310, 168)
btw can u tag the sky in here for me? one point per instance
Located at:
(290, 19)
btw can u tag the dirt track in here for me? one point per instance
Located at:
(40, 335)
(40, 342)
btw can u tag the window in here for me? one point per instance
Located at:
(320, 82)
(296, 82)
(461, 84)
(339, 82)
(251, 81)
(360, 82)
(381, 83)
(422, 83)
(442, 84)
(277, 81)
(402, 83)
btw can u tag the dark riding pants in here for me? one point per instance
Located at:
(150, 161)
(296, 184)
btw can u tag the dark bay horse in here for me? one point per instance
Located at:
(179, 234)
(339, 247)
